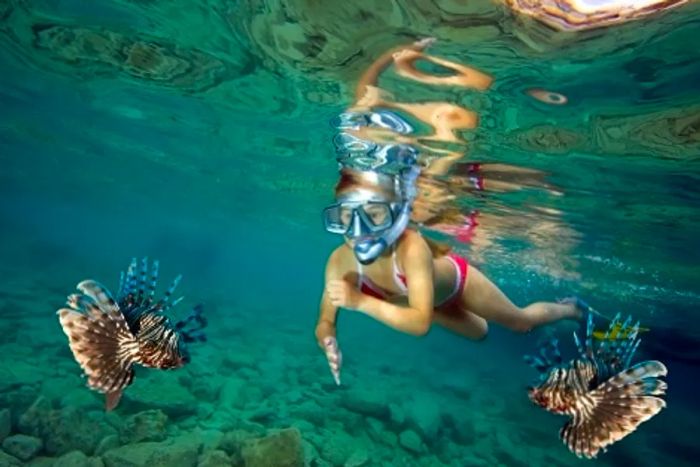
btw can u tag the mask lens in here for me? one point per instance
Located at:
(378, 215)
(333, 219)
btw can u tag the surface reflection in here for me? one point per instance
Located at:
(457, 197)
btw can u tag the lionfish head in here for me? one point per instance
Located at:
(550, 394)
(168, 352)
(178, 355)
(538, 396)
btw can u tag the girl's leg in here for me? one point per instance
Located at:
(485, 299)
(462, 322)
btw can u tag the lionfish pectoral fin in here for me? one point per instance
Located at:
(104, 347)
(99, 294)
(616, 408)
(112, 400)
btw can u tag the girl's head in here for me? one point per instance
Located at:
(382, 186)
(371, 211)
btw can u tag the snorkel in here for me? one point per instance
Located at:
(370, 247)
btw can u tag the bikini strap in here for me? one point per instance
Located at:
(359, 273)
(396, 274)
(393, 259)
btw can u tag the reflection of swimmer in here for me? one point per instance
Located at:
(464, 76)
(548, 97)
(444, 118)
(463, 231)
(391, 273)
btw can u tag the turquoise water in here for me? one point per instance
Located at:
(198, 133)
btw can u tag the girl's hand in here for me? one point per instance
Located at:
(342, 294)
(334, 357)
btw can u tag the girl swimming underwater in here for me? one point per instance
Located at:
(390, 272)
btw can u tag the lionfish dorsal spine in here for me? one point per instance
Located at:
(142, 280)
(162, 304)
(608, 333)
(589, 336)
(154, 282)
(129, 281)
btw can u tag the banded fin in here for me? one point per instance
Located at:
(127, 286)
(548, 357)
(162, 304)
(104, 348)
(615, 409)
(142, 280)
(153, 282)
(99, 294)
(191, 328)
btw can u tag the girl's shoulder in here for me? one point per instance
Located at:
(342, 257)
(413, 240)
(410, 240)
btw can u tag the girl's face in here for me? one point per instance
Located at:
(364, 213)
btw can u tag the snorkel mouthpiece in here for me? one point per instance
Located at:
(366, 251)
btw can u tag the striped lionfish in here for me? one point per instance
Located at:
(606, 398)
(108, 336)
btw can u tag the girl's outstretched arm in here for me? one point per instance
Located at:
(325, 328)
(415, 318)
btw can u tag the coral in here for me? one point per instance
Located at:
(365, 402)
(106, 443)
(149, 425)
(336, 446)
(22, 447)
(358, 458)
(175, 452)
(5, 423)
(411, 441)
(214, 458)
(423, 414)
(171, 397)
(7, 460)
(232, 441)
(65, 429)
(281, 449)
(72, 459)
(16, 373)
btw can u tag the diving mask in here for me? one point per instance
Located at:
(356, 217)
(371, 222)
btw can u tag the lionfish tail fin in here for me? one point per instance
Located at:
(616, 408)
(191, 327)
(101, 342)
(112, 399)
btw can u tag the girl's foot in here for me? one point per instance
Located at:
(582, 307)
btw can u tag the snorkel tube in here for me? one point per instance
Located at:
(368, 250)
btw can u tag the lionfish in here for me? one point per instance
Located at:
(108, 337)
(606, 398)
